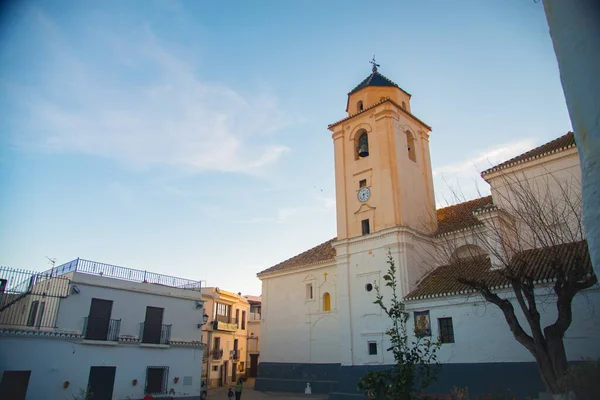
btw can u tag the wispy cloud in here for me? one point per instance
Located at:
(145, 107)
(461, 180)
(282, 216)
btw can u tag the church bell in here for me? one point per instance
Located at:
(363, 150)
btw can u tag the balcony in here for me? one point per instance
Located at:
(224, 326)
(216, 354)
(155, 334)
(235, 354)
(254, 316)
(101, 329)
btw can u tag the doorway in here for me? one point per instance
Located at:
(14, 385)
(233, 372)
(98, 319)
(101, 382)
(253, 365)
(224, 373)
(153, 325)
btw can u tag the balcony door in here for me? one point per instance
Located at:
(153, 325)
(98, 319)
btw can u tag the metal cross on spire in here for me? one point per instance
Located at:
(375, 65)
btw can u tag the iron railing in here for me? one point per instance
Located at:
(101, 329)
(216, 354)
(149, 333)
(30, 299)
(254, 316)
(235, 354)
(123, 273)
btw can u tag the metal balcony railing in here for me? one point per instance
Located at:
(216, 354)
(235, 354)
(254, 316)
(155, 334)
(101, 329)
(123, 273)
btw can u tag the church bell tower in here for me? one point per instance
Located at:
(382, 166)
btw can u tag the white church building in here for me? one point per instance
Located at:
(319, 323)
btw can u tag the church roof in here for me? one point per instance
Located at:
(460, 216)
(537, 263)
(376, 79)
(317, 255)
(562, 143)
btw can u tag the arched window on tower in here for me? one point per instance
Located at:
(359, 106)
(410, 143)
(362, 148)
(326, 302)
(404, 105)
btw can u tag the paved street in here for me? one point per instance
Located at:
(251, 394)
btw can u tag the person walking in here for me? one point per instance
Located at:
(230, 394)
(238, 389)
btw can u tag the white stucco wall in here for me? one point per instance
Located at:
(297, 329)
(130, 306)
(482, 334)
(54, 361)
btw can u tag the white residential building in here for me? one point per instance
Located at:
(118, 332)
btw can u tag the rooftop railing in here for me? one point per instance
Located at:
(123, 273)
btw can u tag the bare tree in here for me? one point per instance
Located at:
(527, 248)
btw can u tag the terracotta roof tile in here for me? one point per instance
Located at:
(375, 105)
(562, 143)
(460, 216)
(537, 263)
(319, 254)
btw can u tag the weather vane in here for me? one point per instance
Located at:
(375, 65)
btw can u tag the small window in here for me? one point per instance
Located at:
(362, 183)
(359, 106)
(404, 105)
(446, 330)
(33, 313)
(243, 320)
(40, 314)
(237, 317)
(410, 143)
(366, 229)
(326, 302)
(156, 380)
(372, 348)
(309, 291)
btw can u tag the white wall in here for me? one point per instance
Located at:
(130, 307)
(54, 361)
(297, 329)
(482, 334)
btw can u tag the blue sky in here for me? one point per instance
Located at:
(190, 138)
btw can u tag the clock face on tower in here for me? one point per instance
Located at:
(363, 194)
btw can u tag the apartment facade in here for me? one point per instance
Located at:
(112, 331)
(225, 336)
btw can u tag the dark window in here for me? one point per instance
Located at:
(40, 314)
(359, 106)
(404, 105)
(365, 227)
(362, 183)
(217, 343)
(243, 319)
(156, 380)
(446, 330)
(32, 313)
(237, 317)
(372, 348)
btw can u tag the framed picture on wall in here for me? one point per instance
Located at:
(422, 323)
